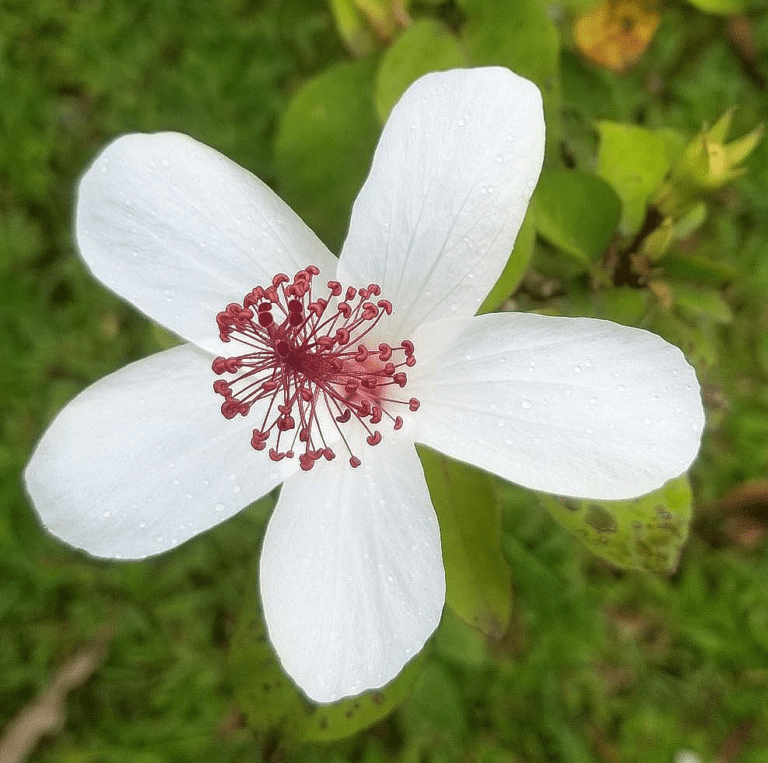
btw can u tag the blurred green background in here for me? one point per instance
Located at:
(597, 664)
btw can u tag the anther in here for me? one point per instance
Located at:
(308, 370)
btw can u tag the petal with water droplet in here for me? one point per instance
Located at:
(352, 577)
(583, 434)
(101, 481)
(437, 217)
(181, 231)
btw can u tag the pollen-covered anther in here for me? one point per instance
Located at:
(307, 369)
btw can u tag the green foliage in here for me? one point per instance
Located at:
(515, 269)
(425, 46)
(645, 533)
(321, 170)
(634, 161)
(720, 7)
(521, 36)
(478, 585)
(577, 212)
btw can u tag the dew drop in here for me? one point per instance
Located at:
(142, 525)
(647, 420)
(621, 388)
(219, 507)
(593, 400)
(577, 369)
(526, 403)
(568, 392)
(588, 363)
(107, 514)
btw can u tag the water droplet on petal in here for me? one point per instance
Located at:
(526, 403)
(219, 507)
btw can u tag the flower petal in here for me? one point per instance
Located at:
(351, 578)
(574, 406)
(142, 460)
(454, 170)
(181, 231)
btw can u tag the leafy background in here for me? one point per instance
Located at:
(578, 661)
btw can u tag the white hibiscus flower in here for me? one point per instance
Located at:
(320, 389)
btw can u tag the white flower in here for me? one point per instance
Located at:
(351, 574)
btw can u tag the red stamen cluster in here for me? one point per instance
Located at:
(307, 352)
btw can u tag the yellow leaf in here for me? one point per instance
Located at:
(615, 33)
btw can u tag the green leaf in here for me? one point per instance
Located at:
(689, 266)
(275, 707)
(577, 212)
(327, 723)
(521, 36)
(514, 270)
(353, 27)
(324, 147)
(645, 533)
(478, 581)
(634, 161)
(270, 701)
(425, 46)
(697, 302)
(437, 703)
(720, 7)
(458, 642)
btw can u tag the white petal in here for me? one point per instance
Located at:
(181, 231)
(451, 179)
(351, 578)
(574, 406)
(142, 460)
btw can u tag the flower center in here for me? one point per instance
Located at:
(307, 358)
